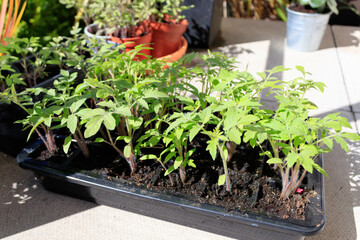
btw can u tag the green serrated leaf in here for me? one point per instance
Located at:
(67, 143)
(99, 140)
(221, 180)
(301, 69)
(194, 131)
(191, 163)
(328, 142)
(332, 4)
(148, 157)
(76, 105)
(344, 122)
(143, 103)
(212, 148)
(342, 143)
(169, 156)
(335, 125)
(249, 135)
(178, 133)
(231, 120)
(72, 123)
(109, 121)
(47, 121)
(297, 141)
(123, 110)
(135, 123)
(64, 73)
(307, 163)
(235, 136)
(92, 126)
(274, 161)
(267, 153)
(351, 136)
(169, 170)
(178, 162)
(309, 151)
(127, 151)
(102, 93)
(248, 119)
(261, 74)
(291, 159)
(92, 82)
(319, 169)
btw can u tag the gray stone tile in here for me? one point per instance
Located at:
(348, 47)
(342, 198)
(357, 116)
(324, 67)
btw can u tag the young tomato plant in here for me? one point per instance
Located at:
(235, 104)
(70, 103)
(295, 138)
(40, 115)
(176, 140)
(123, 98)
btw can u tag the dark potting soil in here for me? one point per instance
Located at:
(303, 9)
(42, 154)
(255, 185)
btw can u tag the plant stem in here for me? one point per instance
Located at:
(131, 159)
(224, 160)
(81, 143)
(44, 141)
(26, 72)
(181, 169)
(298, 183)
(231, 147)
(171, 179)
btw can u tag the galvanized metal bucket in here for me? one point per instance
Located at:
(305, 31)
(99, 38)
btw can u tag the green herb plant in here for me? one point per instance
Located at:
(35, 58)
(170, 10)
(126, 18)
(8, 75)
(320, 5)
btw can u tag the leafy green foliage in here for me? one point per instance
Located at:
(320, 5)
(170, 10)
(46, 19)
(145, 112)
(293, 134)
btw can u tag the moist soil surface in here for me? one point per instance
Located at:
(255, 185)
(303, 9)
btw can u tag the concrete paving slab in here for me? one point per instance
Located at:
(256, 45)
(342, 195)
(25, 205)
(107, 223)
(261, 45)
(324, 66)
(357, 118)
(30, 212)
(347, 40)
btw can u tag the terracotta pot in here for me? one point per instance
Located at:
(175, 56)
(131, 43)
(167, 37)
